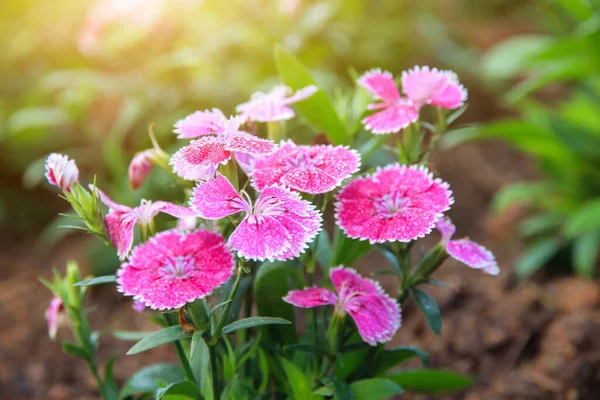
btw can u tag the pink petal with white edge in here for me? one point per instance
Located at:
(53, 316)
(391, 119)
(120, 230)
(217, 198)
(473, 255)
(200, 123)
(200, 158)
(107, 201)
(175, 210)
(260, 238)
(273, 106)
(61, 172)
(380, 84)
(182, 268)
(348, 282)
(452, 96)
(377, 317)
(446, 228)
(421, 84)
(301, 94)
(246, 143)
(310, 297)
(268, 112)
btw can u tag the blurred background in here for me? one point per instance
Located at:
(86, 78)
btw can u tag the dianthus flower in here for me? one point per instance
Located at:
(377, 316)
(139, 168)
(121, 220)
(308, 169)
(273, 106)
(277, 226)
(61, 172)
(219, 138)
(54, 316)
(466, 251)
(174, 268)
(421, 85)
(396, 203)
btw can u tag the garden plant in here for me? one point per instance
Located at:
(258, 277)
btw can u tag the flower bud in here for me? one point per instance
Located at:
(55, 316)
(139, 168)
(61, 172)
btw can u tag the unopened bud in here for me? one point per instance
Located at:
(61, 172)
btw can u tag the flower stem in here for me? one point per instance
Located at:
(214, 376)
(217, 333)
(187, 369)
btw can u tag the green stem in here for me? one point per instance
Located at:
(214, 375)
(187, 369)
(217, 333)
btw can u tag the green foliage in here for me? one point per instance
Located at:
(561, 135)
(145, 380)
(375, 389)
(429, 309)
(166, 335)
(430, 381)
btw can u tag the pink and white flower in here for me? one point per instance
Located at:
(273, 106)
(377, 316)
(174, 268)
(397, 203)
(219, 137)
(55, 316)
(278, 226)
(61, 172)
(466, 251)
(421, 85)
(139, 168)
(121, 220)
(308, 169)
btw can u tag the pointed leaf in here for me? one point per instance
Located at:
(536, 256)
(298, 382)
(145, 380)
(99, 280)
(318, 109)
(429, 309)
(585, 219)
(347, 250)
(166, 335)
(375, 389)
(252, 322)
(389, 359)
(132, 335)
(74, 350)
(585, 254)
(430, 381)
(339, 388)
(185, 388)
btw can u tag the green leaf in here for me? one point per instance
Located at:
(585, 219)
(132, 335)
(431, 381)
(541, 224)
(519, 193)
(391, 257)
(347, 250)
(306, 348)
(511, 56)
(577, 138)
(145, 380)
(318, 109)
(585, 254)
(536, 256)
(196, 338)
(389, 359)
(299, 383)
(99, 280)
(166, 335)
(429, 309)
(375, 389)
(339, 388)
(252, 322)
(74, 350)
(185, 388)
(271, 284)
(109, 377)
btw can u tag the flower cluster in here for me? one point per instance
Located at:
(276, 211)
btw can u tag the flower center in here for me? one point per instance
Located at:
(268, 206)
(179, 267)
(389, 205)
(300, 161)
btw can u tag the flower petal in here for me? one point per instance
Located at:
(53, 315)
(377, 317)
(310, 297)
(260, 238)
(453, 95)
(182, 268)
(421, 84)
(473, 255)
(301, 94)
(217, 198)
(380, 84)
(446, 228)
(107, 201)
(200, 159)
(392, 118)
(200, 123)
(245, 161)
(349, 282)
(250, 144)
(120, 229)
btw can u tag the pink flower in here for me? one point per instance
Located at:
(173, 268)
(309, 169)
(377, 316)
(465, 250)
(61, 172)
(397, 203)
(139, 168)
(219, 138)
(138, 306)
(273, 106)
(277, 226)
(54, 315)
(121, 220)
(187, 223)
(421, 86)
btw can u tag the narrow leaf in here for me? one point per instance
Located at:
(429, 309)
(74, 350)
(99, 280)
(339, 388)
(536, 256)
(430, 381)
(166, 335)
(185, 388)
(375, 389)
(252, 322)
(144, 381)
(585, 254)
(132, 335)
